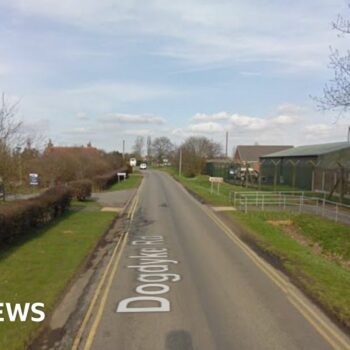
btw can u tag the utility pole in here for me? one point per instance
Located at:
(349, 134)
(123, 148)
(226, 144)
(180, 162)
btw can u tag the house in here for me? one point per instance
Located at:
(250, 154)
(321, 167)
(88, 150)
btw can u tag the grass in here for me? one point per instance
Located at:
(39, 267)
(200, 185)
(133, 181)
(325, 280)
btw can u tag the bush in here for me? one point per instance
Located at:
(81, 189)
(19, 217)
(102, 182)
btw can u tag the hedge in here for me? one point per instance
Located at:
(102, 182)
(17, 218)
(81, 189)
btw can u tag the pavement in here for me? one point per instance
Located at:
(114, 199)
(182, 281)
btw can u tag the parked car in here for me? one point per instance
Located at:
(143, 166)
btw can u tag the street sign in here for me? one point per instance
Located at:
(33, 179)
(216, 179)
(121, 175)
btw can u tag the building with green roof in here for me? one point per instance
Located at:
(322, 167)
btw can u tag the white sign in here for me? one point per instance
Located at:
(34, 179)
(121, 175)
(216, 179)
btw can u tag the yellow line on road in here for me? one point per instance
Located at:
(102, 305)
(93, 302)
(331, 334)
(94, 299)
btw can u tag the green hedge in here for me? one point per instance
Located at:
(17, 218)
(81, 189)
(102, 182)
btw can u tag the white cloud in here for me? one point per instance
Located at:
(249, 123)
(207, 32)
(211, 117)
(132, 119)
(138, 132)
(284, 119)
(206, 128)
(82, 116)
(123, 92)
(4, 69)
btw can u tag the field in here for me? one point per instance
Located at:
(38, 267)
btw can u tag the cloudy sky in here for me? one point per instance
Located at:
(108, 70)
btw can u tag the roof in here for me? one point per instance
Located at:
(310, 150)
(252, 153)
(219, 160)
(72, 150)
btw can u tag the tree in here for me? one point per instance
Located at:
(10, 138)
(336, 93)
(195, 151)
(162, 148)
(138, 146)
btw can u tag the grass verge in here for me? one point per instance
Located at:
(201, 186)
(325, 280)
(39, 267)
(133, 181)
(311, 250)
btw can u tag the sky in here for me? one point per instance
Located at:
(110, 70)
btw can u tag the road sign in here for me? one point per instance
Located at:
(33, 179)
(216, 179)
(121, 175)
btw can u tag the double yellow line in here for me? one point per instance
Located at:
(327, 330)
(106, 282)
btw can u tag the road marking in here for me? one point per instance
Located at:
(102, 305)
(152, 264)
(324, 328)
(93, 302)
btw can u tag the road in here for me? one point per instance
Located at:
(195, 287)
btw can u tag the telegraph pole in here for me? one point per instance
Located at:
(180, 162)
(123, 148)
(226, 144)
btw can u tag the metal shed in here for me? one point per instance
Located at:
(322, 167)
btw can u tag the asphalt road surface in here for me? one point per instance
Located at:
(182, 284)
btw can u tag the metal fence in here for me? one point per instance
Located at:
(297, 201)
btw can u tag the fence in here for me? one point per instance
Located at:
(299, 201)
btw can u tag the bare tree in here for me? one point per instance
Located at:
(195, 151)
(138, 146)
(9, 138)
(162, 148)
(336, 93)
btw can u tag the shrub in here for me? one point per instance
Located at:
(19, 217)
(102, 182)
(81, 189)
